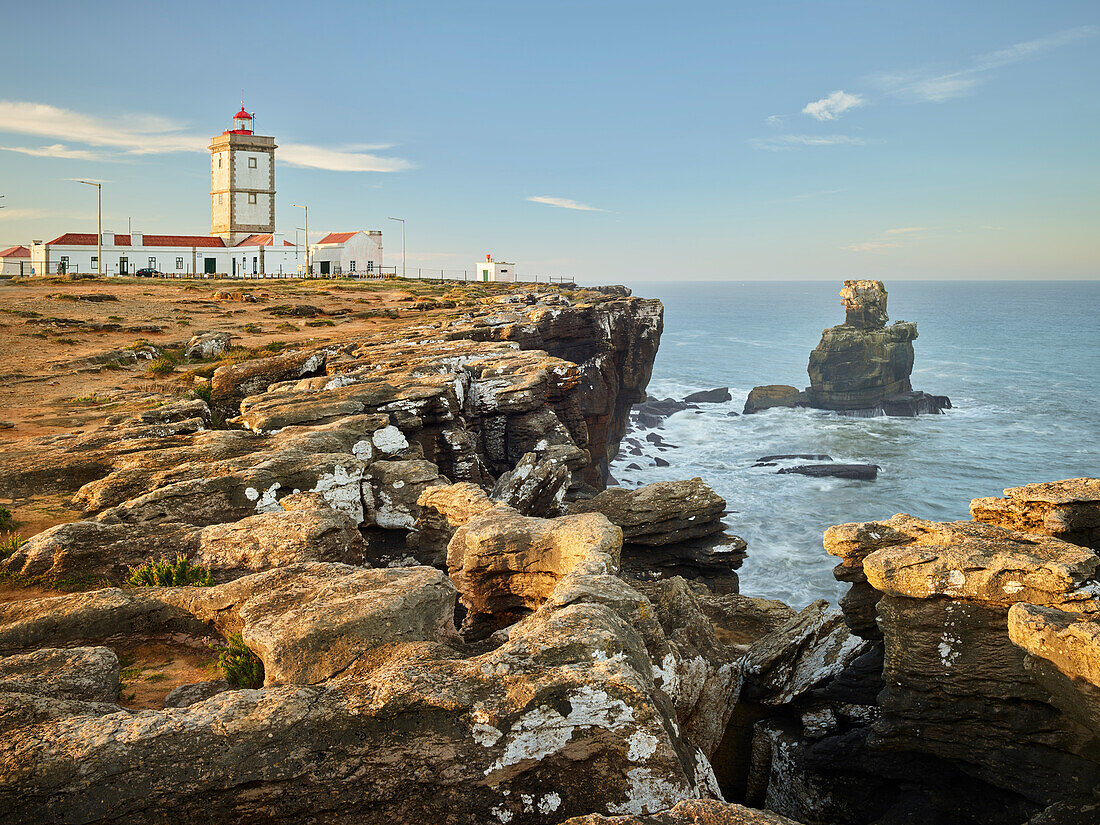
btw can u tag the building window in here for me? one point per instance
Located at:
(152, 263)
(63, 266)
(255, 266)
(219, 197)
(251, 197)
(351, 266)
(370, 266)
(95, 262)
(252, 163)
(219, 161)
(179, 263)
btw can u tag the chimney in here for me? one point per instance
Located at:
(108, 238)
(135, 239)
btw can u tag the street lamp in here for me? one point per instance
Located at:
(402, 244)
(99, 226)
(306, 208)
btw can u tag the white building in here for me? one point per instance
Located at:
(242, 242)
(15, 260)
(357, 254)
(490, 270)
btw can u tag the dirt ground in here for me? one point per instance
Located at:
(152, 667)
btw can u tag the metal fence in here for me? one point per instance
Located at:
(384, 272)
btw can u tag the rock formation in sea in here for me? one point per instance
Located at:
(860, 367)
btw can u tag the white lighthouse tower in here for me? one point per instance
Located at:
(242, 181)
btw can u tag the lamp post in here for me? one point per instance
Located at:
(99, 226)
(402, 244)
(306, 208)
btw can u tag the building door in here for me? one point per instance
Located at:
(324, 267)
(209, 265)
(123, 266)
(234, 267)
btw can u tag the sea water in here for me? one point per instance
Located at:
(1020, 362)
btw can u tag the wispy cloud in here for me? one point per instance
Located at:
(931, 86)
(890, 239)
(56, 150)
(833, 106)
(805, 196)
(564, 203)
(130, 135)
(782, 142)
(338, 160)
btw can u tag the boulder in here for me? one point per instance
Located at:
(664, 512)
(710, 560)
(800, 655)
(310, 622)
(391, 490)
(503, 563)
(1067, 510)
(306, 529)
(715, 396)
(443, 509)
(85, 674)
(232, 383)
(534, 487)
(774, 395)
(207, 345)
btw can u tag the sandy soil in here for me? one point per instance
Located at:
(154, 666)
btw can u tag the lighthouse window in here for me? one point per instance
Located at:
(219, 161)
(251, 197)
(252, 163)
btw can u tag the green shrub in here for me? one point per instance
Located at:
(242, 668)
(9, 543)
(161, 366)
(6, 519)
(203, 391)
(164, 573)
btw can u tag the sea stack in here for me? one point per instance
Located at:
(860, 367)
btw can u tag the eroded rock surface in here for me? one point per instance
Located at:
(1068, 510)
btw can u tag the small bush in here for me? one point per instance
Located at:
(6, 519)
(9, 543)
(162, 366)
(164, 573)
(202, 391)
(253, 329)
(241, 667)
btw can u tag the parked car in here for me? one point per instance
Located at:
(147, 272)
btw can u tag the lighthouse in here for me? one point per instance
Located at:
(242, 181)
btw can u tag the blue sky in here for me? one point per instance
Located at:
(607, 140)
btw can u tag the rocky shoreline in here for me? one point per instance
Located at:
(457, 622)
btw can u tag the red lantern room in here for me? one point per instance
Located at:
(242, 123)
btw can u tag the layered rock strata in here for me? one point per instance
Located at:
(1068, 510)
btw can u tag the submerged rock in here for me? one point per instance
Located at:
(860, 472)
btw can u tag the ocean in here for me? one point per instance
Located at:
(1020, 362)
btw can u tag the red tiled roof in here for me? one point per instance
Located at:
(256, 240)
(336, 237)
(90, 239)
(181, 240)
(15, 252)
